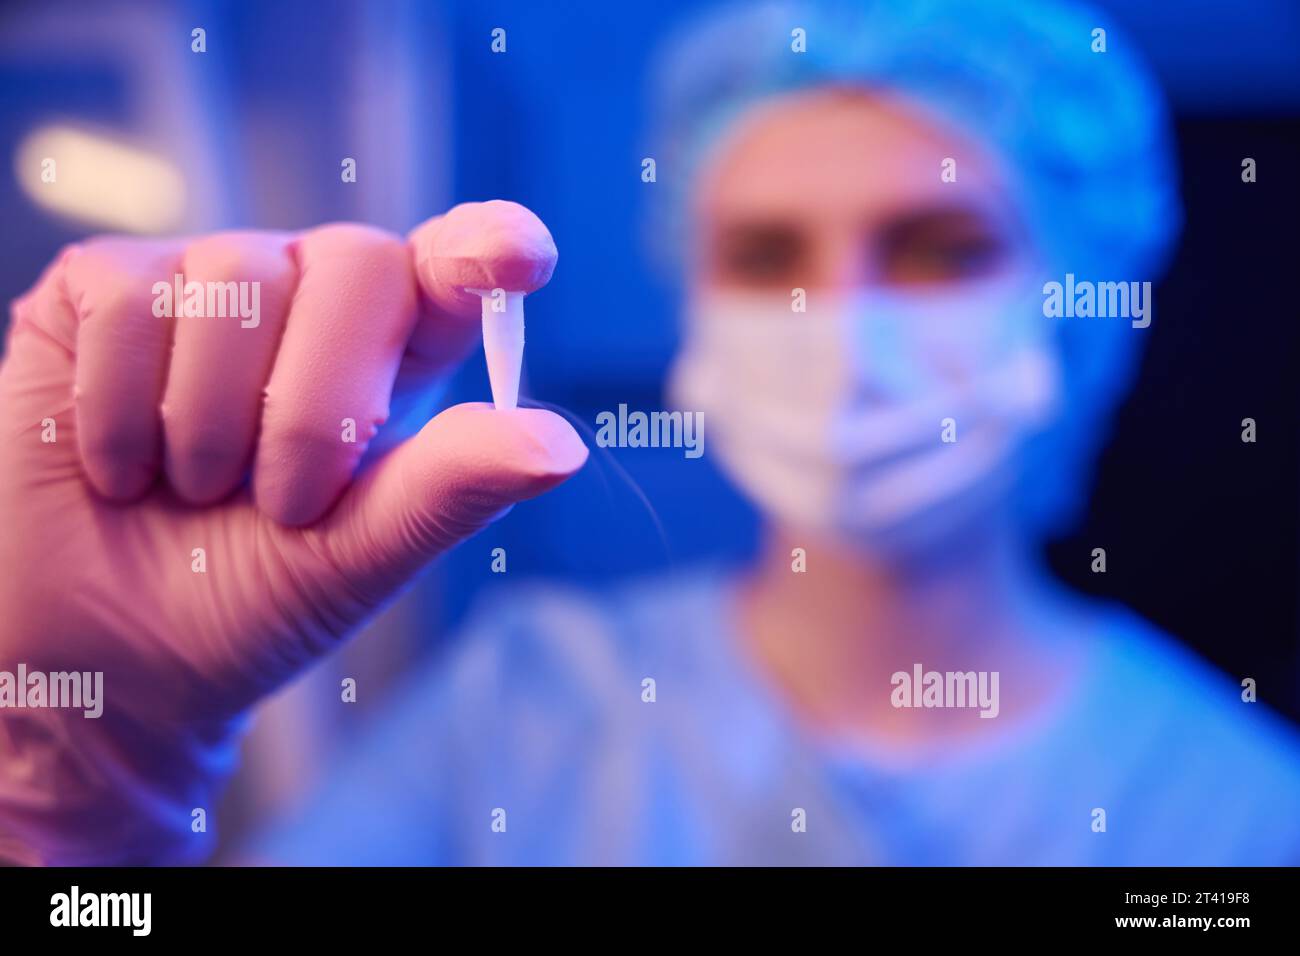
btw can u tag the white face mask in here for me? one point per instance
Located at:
(833, 419)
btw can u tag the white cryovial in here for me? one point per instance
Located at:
(503, 342)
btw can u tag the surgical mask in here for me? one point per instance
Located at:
(834, 419)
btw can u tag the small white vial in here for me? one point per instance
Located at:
(503, 342)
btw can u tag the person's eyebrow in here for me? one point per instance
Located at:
(753, 228)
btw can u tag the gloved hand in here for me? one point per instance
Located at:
(200, 529)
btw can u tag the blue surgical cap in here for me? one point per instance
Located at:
(1085, 135)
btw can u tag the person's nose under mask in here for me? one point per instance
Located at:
(880, 417)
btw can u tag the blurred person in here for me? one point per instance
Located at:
(778, 715)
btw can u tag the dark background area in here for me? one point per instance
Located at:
(1200, 528)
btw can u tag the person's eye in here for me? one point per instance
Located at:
(759, 255)
(939, 251)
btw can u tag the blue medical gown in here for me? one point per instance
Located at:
(535, 720)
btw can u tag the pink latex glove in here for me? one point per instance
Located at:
(179, 434)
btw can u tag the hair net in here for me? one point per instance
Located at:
(1085, 136)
